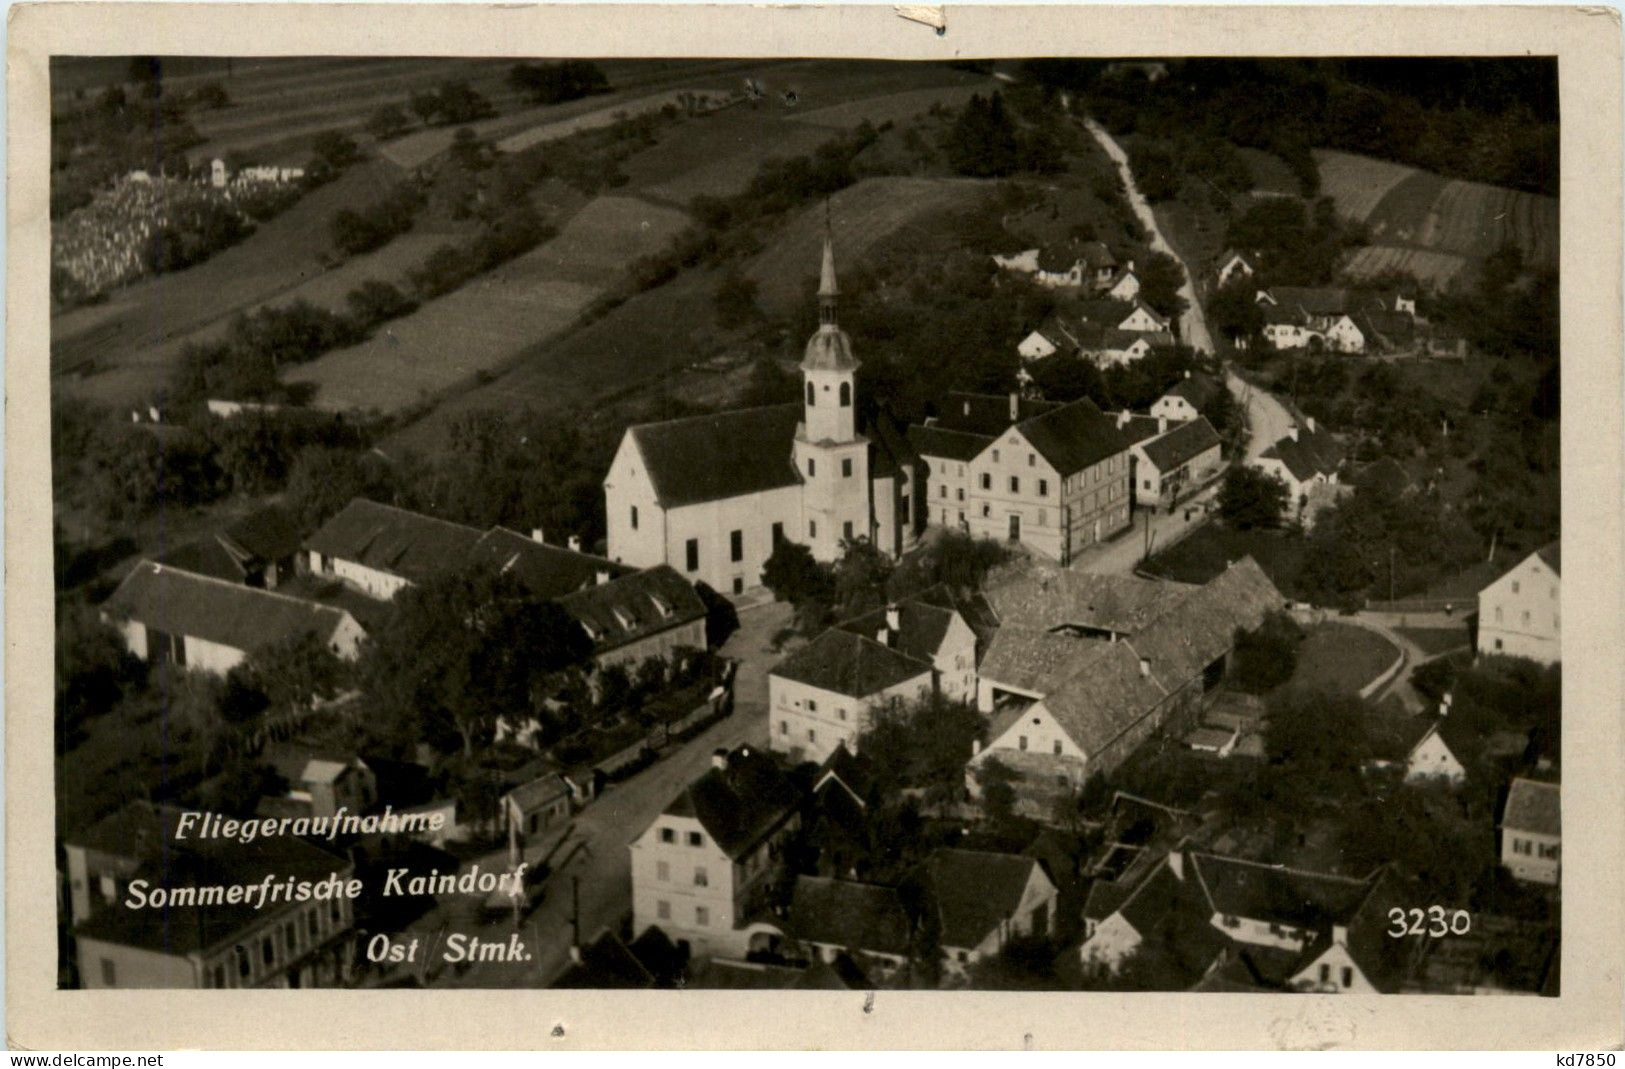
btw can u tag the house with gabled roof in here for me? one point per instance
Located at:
(1178, 459)
(1115, 346)
(983, 900)
(545, 570)
(641, 614)
(257, 550)
(1232, 265)
(1308, 461)
(1050, 337)
(825, 694)
(381, 549)
(320, 781)
(1188, 398)
(713, 496)
(701, 869)
(1532, 831)
(171, 616)
(952, 437)
(831, 917)
(1419, 748)
(1521, 613)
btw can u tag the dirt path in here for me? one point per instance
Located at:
(1193, 324)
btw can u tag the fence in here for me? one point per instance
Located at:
(646, 750)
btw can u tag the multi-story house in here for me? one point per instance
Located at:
(1521, 613)
(701, 870)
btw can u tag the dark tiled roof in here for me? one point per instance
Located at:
(1201, 627)
(854, 772)
(1197, 388)
(1552, 554)
(1312, 453)
(207, 556)
(634, 606)
(371, 613)
(299, 764)
(728, 454)
(179, 930)
(1102, 311)
(1393, 736)
(1276, 894)
(393, 540)
(1533, 806)
(1138, 428)
(921, 627)
(1074, 437)
(1315, 300)
(1041, 596)
(741, 804)
(1183, 443)
(987, 415)
(890, 450)
(975, 891)
(1094, 337)
(543, 790)
(546, 571)
(606, 964)
(1104, 698)
(244, 618)
(850, 915)
(850, 664)
(268, 534)
(945, 444)
(1036, 660)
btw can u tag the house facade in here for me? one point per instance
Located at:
(1521, 613)
(1188, 399)
(713, 496)
(1532, 832)
(824, 694)
(650, 613)
(984, 900)
(1308, 461)
(380, 550)
(1175, 461)
(700, 871)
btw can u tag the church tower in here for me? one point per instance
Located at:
(830, 454)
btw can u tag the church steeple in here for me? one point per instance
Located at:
(828, 290)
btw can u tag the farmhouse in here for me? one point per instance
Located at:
(704, 866)
(1189, 398)
(1096, 703)
(1051, 337)
(257, 550)
(1113, 347)
(1232, 265)
(1307, 460)
(984, 900)
(867, 921)
(546, 571)
(713, 496)
(1532, 831)
(1246, 925)
(1071, 265)
(381, 549)
(1521, 613)
(928, 628)
(170, 616)
(1417, 747)
(1336, 320)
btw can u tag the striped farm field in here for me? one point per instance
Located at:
(494, 317)
(1440, 269)
(1405, 208)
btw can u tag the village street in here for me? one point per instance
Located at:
(620, 813)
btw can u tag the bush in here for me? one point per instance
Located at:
(1266, 656)
(355, 232)
(1252, 499)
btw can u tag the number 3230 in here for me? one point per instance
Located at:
(1435, 921)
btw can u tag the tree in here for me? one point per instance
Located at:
(1234, 310)
(982, 142)
(374, 302)
(921, 744)
(295, 672)
(1251, 498)
(387, 121)
(1266, 656)
(860, 578)
(334, 150)
(735, 301)
(1066, 377)
(794, 576)
(211, 95)
(1161, 277)
(463, 648)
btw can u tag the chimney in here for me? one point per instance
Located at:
(719, 759)
(894, 618)
(1340, 935)
(1187, 373)
(575, 954)
(1015, 406)
(575, 543)
(975, 747)
(1122, 419)
(1162, 424)
(1145, 668)
(883, 636)
(1176, 862)
(1309, 421)
(1292, 432)
(536, 535)
(603, 577)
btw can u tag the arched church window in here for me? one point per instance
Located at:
(811, 394)
(846, 395)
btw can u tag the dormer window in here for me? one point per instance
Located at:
(592, 632)
(662, 606)
(624, 618)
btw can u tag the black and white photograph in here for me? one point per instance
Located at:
(1035, 524)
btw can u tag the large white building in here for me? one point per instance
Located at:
(713, 496)
(1521, 613)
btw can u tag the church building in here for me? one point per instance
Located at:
(712, 496)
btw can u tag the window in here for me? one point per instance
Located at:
(812, 528)
(846, 530)
(812, 396)
(1015, 485)
(1498, 644)
(1043, 488)
(841, 713)
(662, 870)
(961, 493)
(702, 916)
(701, 877)
(668, 835)
(1514, 586)
(812, 705)
(1548, 851)
(784, 727)
(311, 923)
(109, 973)
(995, 456)
(243, 966)
(1325, 973)
(691, 551)
(694, 838)
(267, 952)
(1526, 617)
(987, 481)
(987, 510)
(736, 545)
(942, 490)
(846, 395)
(1498, 614)
(812, 735)
(662, 907)
(1146, 485)
(778, 534)
(289, 938)
(1023, 742)
(1031, 460)
(634, 517)
(812, 466)
(739, 584)
(1057, 747)
(1348, 976)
